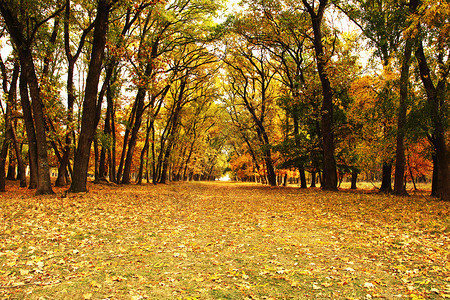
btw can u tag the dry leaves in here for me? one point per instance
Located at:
(222, 240)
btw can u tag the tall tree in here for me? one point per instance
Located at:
(22, 35)
(435, 82)
(382, 22)
(251, 80)
(400, 160)
(90, 105)
(9, 131)
(329, 177)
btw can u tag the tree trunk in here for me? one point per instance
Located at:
(20, 163)
(112, 150)
(386, 184)
(23, 46)
(134, 133)
(10, 139)
(271, 176)
(44, 183)
(303, 184)
(29, 126)
(96, 160)
(62, 170)
(11, 174)
(88, 121)
(436, 96)
(144, 151)
(125, 144)
(313, 179)
(329, 179)
(400, 161)
(3, 155)
(435, 177)
(354, 178)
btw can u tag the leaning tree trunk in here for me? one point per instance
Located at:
(134, 135)
(29, 126)
(23, 46)
(436, 96)
(12, 100)
(88, 121)
(44, 183)
(169, 146)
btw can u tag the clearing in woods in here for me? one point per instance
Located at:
(222, 241)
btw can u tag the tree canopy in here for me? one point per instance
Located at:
(279, 91)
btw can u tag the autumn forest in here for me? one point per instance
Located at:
(204, 149)
(276, 92)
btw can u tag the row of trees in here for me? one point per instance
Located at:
(163, 90)
(338, 116)
(146, 61)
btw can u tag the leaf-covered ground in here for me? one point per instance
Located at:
(222, 241)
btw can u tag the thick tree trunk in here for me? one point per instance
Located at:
(29, 126)
(44, 183)
(436, 96)
(271, 176)
(329, 179)
(313, 179)
(303, 183)
(11, 174)
(442, 165)
(16, 31)
(88, 121)
(43, 169)
(435, 177)
(386, 183)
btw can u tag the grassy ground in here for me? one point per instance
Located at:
(222, 241)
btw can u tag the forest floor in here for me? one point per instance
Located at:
(222, 241)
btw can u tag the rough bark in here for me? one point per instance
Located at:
(88, 121)
(140, 97)
(313, 179)
(436, 95)
(386, 183)
(10, 139)
(23, 47)
(29, 127)
(329, 179)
